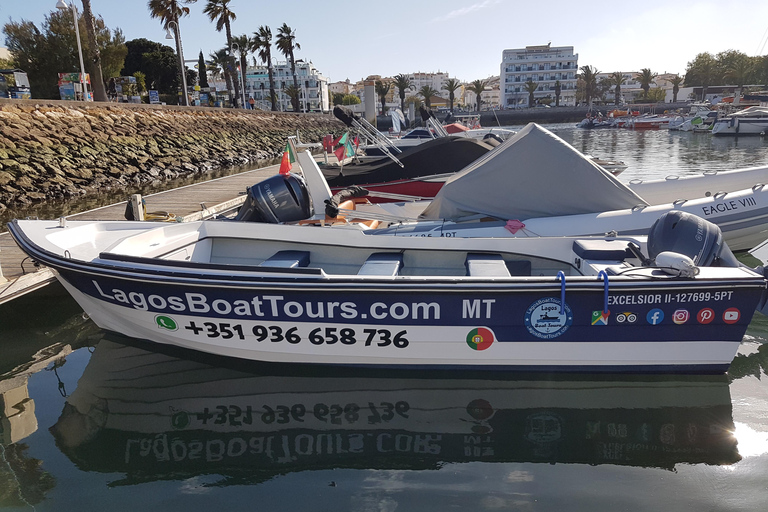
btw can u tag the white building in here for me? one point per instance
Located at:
(313, 86)
(544, 65)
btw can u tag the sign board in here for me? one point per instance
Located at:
(154, 97)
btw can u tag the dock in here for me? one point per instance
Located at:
(18, 274)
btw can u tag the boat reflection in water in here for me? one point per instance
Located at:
(153, 416)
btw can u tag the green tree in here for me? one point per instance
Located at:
(113, 49)
(382, 89)
(51, 49)
(286, 43)
(244, 46)
(530, 87)
(739, 73)
(221, 59)
(558, 90)
(646, 77)
(141, 81)
(350, 99)
(202, 70)
(588, 76)
(170, 11)
(293, 92)
(403, 83)
(427, 92)
(218, 11)
(262, 45)
(676, 82)
(703, 71)
(158, 62)
(337, 98)
(657, 95)
(617, 79)
(452, 85)
(477, 87)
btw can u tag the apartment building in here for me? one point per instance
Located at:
(313, 86)
(544, 65)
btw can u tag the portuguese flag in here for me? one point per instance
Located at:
(288, 159)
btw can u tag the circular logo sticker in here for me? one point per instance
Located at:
(544, 319)
(705, 316)
(731, 315)
(480, 338)
(655, 316)
(166, 322)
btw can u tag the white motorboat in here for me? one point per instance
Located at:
(299, 294)
(549, 189)
(750, 121)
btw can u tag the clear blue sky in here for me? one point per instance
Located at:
(463, 37)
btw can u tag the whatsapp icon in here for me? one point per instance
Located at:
(166, 322)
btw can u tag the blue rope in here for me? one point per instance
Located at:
(604, 276)
(561, 278)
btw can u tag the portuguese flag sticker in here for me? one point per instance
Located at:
(480, 338)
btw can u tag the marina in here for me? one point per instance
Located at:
(107, 419)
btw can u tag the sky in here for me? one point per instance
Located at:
(465, 38)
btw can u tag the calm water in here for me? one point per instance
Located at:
(90, 422)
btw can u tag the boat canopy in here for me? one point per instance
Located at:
(534, 173)
(756, 111)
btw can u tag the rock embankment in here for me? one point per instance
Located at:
(59, 150)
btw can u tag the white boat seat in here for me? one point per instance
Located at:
(607, 250)
(382, 264)
(486, 265)
(287, 259)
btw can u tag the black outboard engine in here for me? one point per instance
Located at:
(692, 236)
(276, 199)
(344, 115)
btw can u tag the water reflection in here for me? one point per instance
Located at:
(152, 416)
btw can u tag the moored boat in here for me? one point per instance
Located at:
(338, 296)
(750, 121)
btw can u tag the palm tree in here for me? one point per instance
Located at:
(99, 92)
(170, 11)
(244, 45)
(646, 78)
(477, 87)
(286, 43)
(382, 88)
(293, 92)
(219, 11)
(530, 87)
(221, 60)
(739, 73)
(262, 45)
(452, 85)
(589, 77)
(558, 90)
(617, 79)
(427, 92)
(676, 82)
(403, 83)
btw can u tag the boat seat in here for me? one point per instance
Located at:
(486, 265)
(606, 250)
(287, 259)
(382, 264)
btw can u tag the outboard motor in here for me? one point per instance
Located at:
(691, 236)
(276, 199)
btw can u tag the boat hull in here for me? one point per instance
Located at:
(464, 329)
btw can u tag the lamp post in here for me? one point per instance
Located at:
(63, 6)
(240, 77)
(177, 38)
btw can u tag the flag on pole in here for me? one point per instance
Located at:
(288, 159)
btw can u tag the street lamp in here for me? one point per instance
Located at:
(177, 37)
(63, 6)
(240, 77)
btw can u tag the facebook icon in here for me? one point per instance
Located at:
(655, 316)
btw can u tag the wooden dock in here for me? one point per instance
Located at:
(19, 276)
